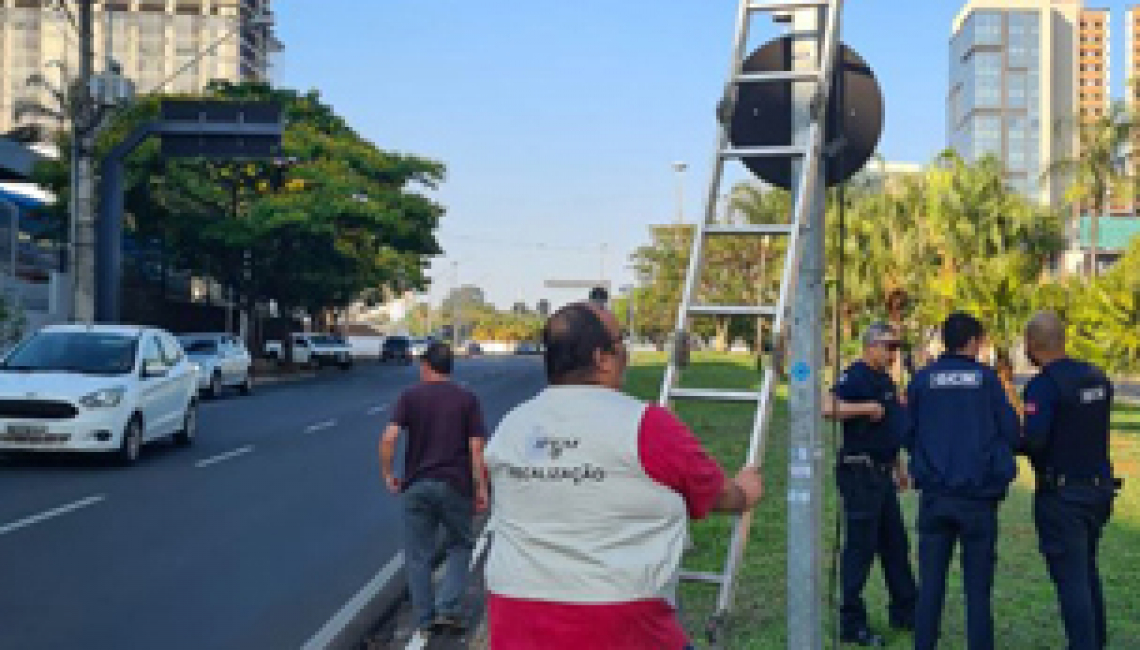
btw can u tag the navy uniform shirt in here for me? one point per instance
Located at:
(1067, 413)
(879, 440)
(962, 430)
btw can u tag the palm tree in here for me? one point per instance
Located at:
(1096, 171)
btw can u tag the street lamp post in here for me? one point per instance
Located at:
(680, 167)
(455, 298)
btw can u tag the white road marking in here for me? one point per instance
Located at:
(328, 633)
(377, 410)
(321, 426)
(480, 546)
(418, 641)
(49, 514)
(206, 462)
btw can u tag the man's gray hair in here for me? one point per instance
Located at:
(878, 331)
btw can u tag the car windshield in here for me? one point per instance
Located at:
(200, 347)
(324, 340)
(396, 342)
(91, 353)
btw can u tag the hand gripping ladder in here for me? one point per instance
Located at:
(811, 150)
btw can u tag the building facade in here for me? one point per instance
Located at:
(176, 46)
(1094, 68)
(1013, 77)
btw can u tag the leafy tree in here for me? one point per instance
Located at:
(1096, 170)
(346, 217)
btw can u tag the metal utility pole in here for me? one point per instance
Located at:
(83, 172)
(805, 453)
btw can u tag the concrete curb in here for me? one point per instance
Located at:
(378, 600)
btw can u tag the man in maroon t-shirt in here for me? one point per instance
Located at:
(443, 479)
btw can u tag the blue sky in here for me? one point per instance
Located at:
(559, 119)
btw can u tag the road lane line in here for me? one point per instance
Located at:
(377, 410)
(320, 426)
(418, 641)
(49, 514)
(480, 546)
(206, 462)
(328, 633)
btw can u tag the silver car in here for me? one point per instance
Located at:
(222, 361)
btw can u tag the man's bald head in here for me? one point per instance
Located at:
(571, 338)
(1045, 333)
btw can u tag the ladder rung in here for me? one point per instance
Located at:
(762, 152)
(702, 576)
(714, 395)
(787, 6)
(749, 229)
(732, 310)
(762, 77)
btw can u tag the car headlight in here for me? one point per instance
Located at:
(106, 398)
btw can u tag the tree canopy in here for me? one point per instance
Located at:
(333, 217)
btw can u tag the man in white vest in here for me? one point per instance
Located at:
(592, 494)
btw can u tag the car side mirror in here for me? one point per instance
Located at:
(153, 368)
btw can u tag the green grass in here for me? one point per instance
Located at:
(1025, 611)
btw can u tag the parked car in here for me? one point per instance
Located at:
(329, 350)
(313, 349)
(472, 349)
(97, 388)
(527, 347)
(222, 361)
(396, 348)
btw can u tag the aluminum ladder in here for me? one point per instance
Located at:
(810, 151)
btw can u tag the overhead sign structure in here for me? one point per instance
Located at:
(763, 115)
(576, 284)
(189, 129)
(213, 129)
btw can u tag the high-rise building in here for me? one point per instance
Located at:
(1093, 67)
(172, 45)
(1013, 79)
(1132, 56)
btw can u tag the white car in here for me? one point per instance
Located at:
(97, 388)
(314, 349)
(221, 360)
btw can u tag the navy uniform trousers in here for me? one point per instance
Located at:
(1069, 522)
(873, 526)
(944, 521)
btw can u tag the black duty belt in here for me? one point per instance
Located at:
(865, 461)
(1053, 480)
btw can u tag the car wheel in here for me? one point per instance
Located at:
(131, 445)
(247, 385)
(185, 436)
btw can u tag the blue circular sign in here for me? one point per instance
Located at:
(801, 371)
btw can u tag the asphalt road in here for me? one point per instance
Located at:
(252, 538)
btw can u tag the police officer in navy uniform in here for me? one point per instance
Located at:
(1067, 411)
(961, 441)
(868, 471)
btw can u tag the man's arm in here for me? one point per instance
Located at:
(837, 409)
(387, 453)
(742, 493)
(1039, 398)
(910, 422)
(477, 440)
(479, 474)
(671, 455)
